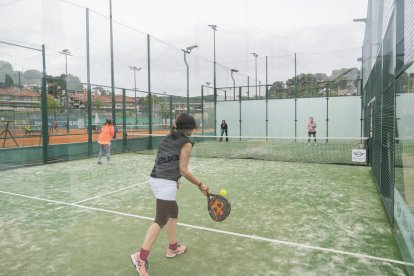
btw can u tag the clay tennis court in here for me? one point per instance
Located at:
(61, 137)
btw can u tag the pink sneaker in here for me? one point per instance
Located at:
(172, 253)
(140, 265)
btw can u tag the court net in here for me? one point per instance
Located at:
(351, 151)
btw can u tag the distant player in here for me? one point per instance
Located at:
(104, 140)
(311, 130)
(224, 129)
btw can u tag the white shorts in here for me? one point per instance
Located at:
(164, 189)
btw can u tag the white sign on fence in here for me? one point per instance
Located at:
(359, 155)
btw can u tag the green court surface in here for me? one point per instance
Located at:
(78, 218)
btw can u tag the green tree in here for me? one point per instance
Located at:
(277, 90)
(5, 69)
(55, 86)
(8, 81)
(97, 103)
(52, 102)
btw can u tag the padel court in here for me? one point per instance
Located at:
(287, 218)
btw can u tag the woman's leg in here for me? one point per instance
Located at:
(172, 230)
(108, 153)
(151, 236)
(101, 147)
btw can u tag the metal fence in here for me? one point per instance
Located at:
(388, 104)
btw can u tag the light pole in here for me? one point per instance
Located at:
(188, 51)
(207, 85)
(255, 65)
(214, 27)
(66, 52)
(135, 69)
(234, 83)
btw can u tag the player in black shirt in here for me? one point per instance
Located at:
(224, 130)
(171, 163)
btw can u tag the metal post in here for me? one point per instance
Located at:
(248, 86)
(240, 112)
(362, 92)
(267, 100)
(260, 89)
(124, 130)
(149, 92)
(256, 73)
(188, 83)
(45, 127)
(88, 76)
(255, 66)
(234, 83)
(112, 66)
(234, 89)
(135, 69)
(171, 116)
(214, 27)
(188, 51)
(66, 52)
(202, 110)
(362, 105)
(327, 114)
(215, 86)
(135, 97)
(296, 99)
(66, 93)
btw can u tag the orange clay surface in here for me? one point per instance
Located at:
(60, 136)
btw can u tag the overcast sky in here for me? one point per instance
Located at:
(320, 31)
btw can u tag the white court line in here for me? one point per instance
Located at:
(253, 237)
(108, 193)
(118, 190)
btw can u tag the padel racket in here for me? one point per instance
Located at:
(218, 207)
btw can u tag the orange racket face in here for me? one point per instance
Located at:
(218, 207)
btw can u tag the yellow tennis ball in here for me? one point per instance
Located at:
(223, 192)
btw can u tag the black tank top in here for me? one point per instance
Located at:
(167, 161)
